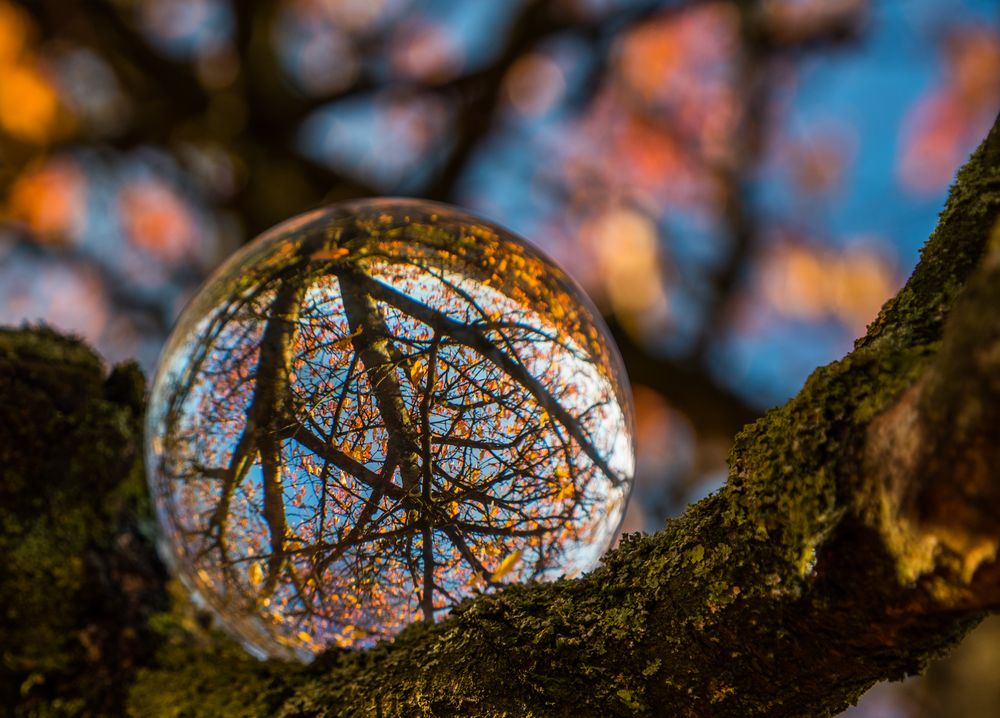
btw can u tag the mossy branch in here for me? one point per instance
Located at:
(857, 537)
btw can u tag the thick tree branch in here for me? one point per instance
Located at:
(855, 539)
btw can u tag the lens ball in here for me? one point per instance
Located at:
(376, 410)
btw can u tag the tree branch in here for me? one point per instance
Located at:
(855, 539)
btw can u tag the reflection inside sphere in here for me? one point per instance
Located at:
(376, 410)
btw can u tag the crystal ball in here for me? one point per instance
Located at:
(374, 411)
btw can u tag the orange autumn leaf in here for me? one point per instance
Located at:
(328, 254)
(157, 220)
(256, 574)
(49, 199)
(15, 31)
(507, 565)
(29, 105)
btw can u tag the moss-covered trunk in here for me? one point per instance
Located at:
(856, 538)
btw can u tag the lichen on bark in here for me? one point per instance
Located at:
(825, 563)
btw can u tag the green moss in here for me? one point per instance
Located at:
(916, 314)
(201, 672)
(68, 444)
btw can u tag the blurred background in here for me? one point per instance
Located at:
(738, 185)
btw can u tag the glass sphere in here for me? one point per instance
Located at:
(375, 410)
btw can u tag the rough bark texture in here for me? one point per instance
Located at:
(856, 538)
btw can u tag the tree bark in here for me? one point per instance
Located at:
(856, 539)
